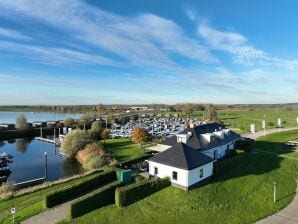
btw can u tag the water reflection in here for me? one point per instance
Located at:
(22, 145)
(71, 167)
(29, 160)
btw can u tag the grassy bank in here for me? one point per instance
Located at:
(240, 192)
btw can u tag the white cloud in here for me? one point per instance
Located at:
(52, 55)
(232, 42)
(143, 39)
(12, 34)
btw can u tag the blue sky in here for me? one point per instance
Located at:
(140, 51)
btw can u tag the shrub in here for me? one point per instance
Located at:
(6, 190)
(97, 199)
(75, 190)
(129, 194)
(93, 156)
(94, 161)
(74, 141)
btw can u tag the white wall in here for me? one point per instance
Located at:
(185, 178)
(194, 175)
(166, 171)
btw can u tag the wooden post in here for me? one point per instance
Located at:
(274, 192)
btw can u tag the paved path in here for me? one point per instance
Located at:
(288, 215)
(50, 216)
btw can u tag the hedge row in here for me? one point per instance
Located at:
(97, 199)
(129, 194)
(77, 189)
(34, 132)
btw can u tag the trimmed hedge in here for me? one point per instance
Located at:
(77, 189)
(96, 199)
(129, 194)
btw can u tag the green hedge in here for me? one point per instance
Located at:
(77, 189)
(96, 199)
(129, 194)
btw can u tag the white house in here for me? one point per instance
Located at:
(187, 159)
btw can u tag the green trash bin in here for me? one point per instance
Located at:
(125, 176)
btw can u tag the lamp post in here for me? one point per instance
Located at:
(46, 165)
(274, 192)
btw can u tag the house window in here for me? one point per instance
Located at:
(155, 170)
(201, 173)
(174, 175)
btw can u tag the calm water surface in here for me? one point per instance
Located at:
(29, 161)
(10, 117)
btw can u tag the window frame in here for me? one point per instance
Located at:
(155, 170)
(201, 175)
(174, 172)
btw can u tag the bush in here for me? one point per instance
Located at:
(6, 190)
(97, 199)
(129, 194)
(74, 141)
(75, 190)
(94, 161)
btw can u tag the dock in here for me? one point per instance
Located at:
(30, 183)
(51, 141)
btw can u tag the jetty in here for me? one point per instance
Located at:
(52, 141)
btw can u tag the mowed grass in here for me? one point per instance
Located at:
(243, 118)
(123, 149)
(29, 204)
(240, 192)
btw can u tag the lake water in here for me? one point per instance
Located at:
(10, 117)
(29, 161)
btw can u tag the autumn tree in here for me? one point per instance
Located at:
(105, 134)
(21, 123)
(139, 136)
(187, 110)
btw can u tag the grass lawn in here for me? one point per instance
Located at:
(240, 192)
(123, 149)
(29, 204)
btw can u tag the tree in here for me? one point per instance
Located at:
(68, 122)
(187, 110)
(105, 134)
(210, 113)
(84, 120)
(96, 129)
(21, 123)
(74, 141)
(139, 136)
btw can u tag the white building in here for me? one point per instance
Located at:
(187, 159)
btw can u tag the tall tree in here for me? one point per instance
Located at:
(210, 113)
(68, 122)
(96, 129)
(105, 134)
(21, 123)
(187, 110)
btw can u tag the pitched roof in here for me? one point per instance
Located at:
(196, 142)
(181, 156)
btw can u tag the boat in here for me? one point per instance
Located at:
(4, 155)
(4, 170)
